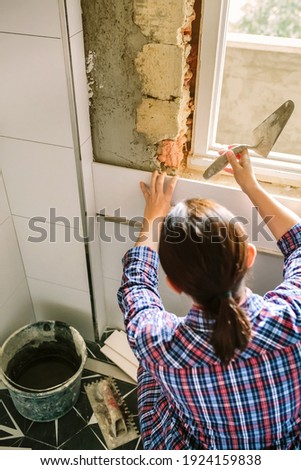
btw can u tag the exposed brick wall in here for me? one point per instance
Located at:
(164, 72)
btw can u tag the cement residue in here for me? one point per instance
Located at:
(89, 69)
(115, 87)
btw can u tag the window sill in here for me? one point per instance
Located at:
(278, 183)
(264, 43)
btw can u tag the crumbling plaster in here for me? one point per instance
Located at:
(138, 77)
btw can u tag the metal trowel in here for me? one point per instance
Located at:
(264, 137)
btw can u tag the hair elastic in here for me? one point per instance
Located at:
(225, 295)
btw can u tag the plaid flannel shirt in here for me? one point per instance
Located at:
(186, 398)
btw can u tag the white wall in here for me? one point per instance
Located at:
(43, 131)
(16, 307)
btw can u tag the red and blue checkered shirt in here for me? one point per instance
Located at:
(187, 399)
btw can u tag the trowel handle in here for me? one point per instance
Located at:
(222, 161)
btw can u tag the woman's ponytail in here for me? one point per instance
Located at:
(232, 330)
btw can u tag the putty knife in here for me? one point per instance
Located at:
(264, 136)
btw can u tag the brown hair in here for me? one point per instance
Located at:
(203, 250)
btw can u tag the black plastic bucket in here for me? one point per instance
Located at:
(42, 365)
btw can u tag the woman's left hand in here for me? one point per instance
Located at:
(157, 206)
(158, 200)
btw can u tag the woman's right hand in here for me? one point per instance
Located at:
(242, 170)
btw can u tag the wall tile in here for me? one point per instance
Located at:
(127, 194)
(33, 90)
(177, 304)
(127, 197)
(35, 17)
(12, 271)
(266, 273)
(39, 177)
(4, 207)
(56, 259)
(54, 302)
(74, 15)
(115, 240)
(113, 312)
(80, 85)
(16, 312)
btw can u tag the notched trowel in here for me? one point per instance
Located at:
(264, 137)
(111, 413)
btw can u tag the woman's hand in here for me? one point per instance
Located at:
(157, 201)
(157, 206)
(242, 170)
(278, 218)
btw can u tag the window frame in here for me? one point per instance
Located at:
(278, 168)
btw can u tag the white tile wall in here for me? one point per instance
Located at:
(56, 259)
(16, 312)
(115, 240)
(12, 271)
(266, 273)
(54, 302)
(177, 304)
(4, 207)
(15, 302)
(37, 156)
(112, 249)
(127, 195)
(113, 311)
(39, 177)
(33, 90)
(35, 17)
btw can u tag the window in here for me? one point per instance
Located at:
(242, 79)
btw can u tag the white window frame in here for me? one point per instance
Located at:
(279, 167)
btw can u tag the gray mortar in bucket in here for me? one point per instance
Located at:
(42, 365)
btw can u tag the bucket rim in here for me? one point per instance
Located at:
(11, 385)
(24, 327)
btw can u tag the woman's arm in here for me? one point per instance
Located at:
(278, 218)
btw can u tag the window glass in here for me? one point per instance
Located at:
(262, 69)
(278, 18)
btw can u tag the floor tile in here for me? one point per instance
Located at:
(78, 429)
